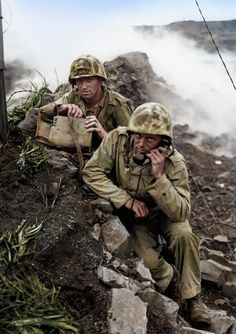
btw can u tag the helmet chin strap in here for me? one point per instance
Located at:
(140, 160)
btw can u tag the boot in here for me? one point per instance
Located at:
(198, 313)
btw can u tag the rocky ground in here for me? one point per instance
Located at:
(67, 256)
(65, 249)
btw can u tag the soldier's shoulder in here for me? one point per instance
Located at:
(121, 99)
(120, 130)
(118, 96)
(177, 157)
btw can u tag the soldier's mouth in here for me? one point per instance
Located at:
(139, 151)
(85, 92)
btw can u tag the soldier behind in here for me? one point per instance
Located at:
(103, 108)
(137, 169)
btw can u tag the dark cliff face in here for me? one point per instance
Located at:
(223, 32)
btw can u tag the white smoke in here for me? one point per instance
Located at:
(200, 77)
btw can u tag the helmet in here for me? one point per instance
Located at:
(86, 66)
(151, 118)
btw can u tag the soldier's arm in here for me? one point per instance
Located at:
(50, 110)
(96, 173)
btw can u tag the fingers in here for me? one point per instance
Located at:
(157, 157)
(71, 110)
(93, 124)
(157, 154)
(92, 121)
(74, 111)
(161, 150)
(140, 209)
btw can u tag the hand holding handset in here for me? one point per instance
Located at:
(139, 159)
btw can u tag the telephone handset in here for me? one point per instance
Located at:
(165, 142)
(139, 159)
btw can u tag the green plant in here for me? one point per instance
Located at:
(27, 307)
(62, 89)
(33, 100)
(32, 156)
(13, 244)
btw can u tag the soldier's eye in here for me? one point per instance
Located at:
(150, 139)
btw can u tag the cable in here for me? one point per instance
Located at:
(217, 49)
(136, 192)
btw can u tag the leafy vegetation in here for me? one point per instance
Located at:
(28, 307)
(34, 99)
(13, 244)
(32, 156)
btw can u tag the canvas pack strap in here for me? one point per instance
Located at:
(78, 147)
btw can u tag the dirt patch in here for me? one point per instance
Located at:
(65, 255)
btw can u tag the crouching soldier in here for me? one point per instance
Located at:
(137, 169)
(83, 116)
(102, 108)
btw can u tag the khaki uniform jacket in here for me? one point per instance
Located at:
(169, 195)
(113, 110)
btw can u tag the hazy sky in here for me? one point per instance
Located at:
(117, 11)
(58, 23)
(49, 34)
(50, 31)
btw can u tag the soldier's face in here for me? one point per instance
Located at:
(88, 87)
(143, 144)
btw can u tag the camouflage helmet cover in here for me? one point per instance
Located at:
(151, 118)
(86, 66)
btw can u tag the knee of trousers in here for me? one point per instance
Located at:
(152, 258)
(186, 239)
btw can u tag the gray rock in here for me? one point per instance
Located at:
(116, 238)
(220, 322)
(190, 330)
(214, 272)
(116, 280)
(103, 205)
(158, 303)
(127, 314)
